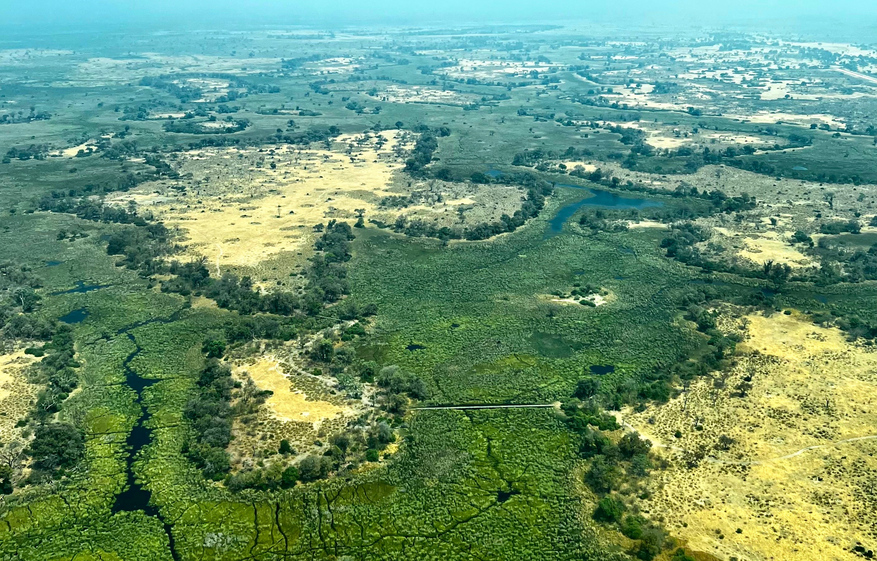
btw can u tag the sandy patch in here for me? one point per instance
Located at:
(16, 394)
(11, 369)
(770, 246)
(597, 299)
(422, 94)
(572, 165)
(73, 151)
(647, 224)
(287, 403)
(797, 478)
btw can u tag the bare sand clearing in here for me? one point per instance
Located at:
(423, 94)
(72, 151)
(797, 479)
(647, 224)
(771, 246)
(586, 167)
(286, 403)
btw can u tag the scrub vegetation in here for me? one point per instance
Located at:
(525, 292)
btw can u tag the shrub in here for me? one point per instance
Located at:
(608, 510)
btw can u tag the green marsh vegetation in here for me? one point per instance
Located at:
(397, 318)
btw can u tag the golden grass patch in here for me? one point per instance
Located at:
(797, 477)
(16, 394)
(286, 403)
(248, 205)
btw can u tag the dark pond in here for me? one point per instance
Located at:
(415, 347)
(75, 316)
(799, 168)
(81, 288)
(494, 173)
(53, 263)
(602, 369)
(503, 496)
(602, 199)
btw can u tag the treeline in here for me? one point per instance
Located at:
(536, 156)
(533, 203)
(211, 416)
(615, 469)
(56, 447)
(424, 148)
(21, 117)
(35, 151)
(170, 83)
(619, 465)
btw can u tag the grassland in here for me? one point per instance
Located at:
(773, 439)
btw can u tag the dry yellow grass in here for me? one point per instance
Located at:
(798, 480)
(16, 394)
(244, 212)
(770, 246)
(286, 403)
(254, 210)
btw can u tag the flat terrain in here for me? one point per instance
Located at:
(408, 293)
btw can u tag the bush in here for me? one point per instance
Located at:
(289, 476)
(371, 455)
(608, 510)
(285, 448)
(313, 468)
(632, 527)
(55, 448)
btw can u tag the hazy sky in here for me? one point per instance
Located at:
(347, 12)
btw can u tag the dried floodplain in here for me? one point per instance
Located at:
(251, 209)
(17, 395)
(774, 459)
(777, 445)
(301, 409)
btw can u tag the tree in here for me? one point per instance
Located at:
(313, 468)
(829, 198)
(213, 348)
(56, 447)
(285, 448)
(6, 480)
(650, 545)
(608, 510)
(289, 476)
(587, 388)
(323, 350)
(632, 445)
(602, 476)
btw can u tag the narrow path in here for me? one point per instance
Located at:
(218, 259)
(858, 75)
(797, 453)
(712, 460)
(517, 406)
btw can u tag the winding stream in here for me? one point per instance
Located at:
(602, 199)
(135, 497)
